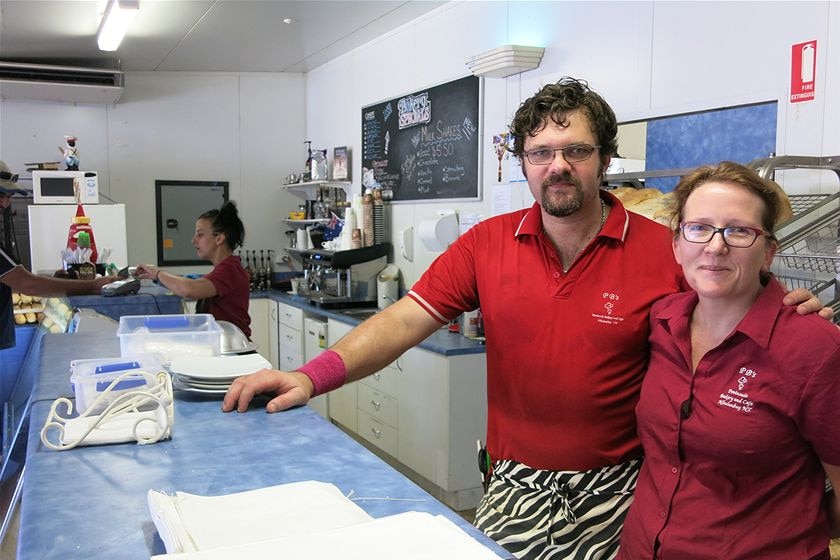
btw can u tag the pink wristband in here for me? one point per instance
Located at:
(327, 372)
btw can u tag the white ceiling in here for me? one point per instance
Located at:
(201, 35)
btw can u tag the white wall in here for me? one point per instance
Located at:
(243, 128)
(647, 59)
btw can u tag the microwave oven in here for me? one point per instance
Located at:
(59, 187)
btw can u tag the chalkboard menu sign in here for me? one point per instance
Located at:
(424, 145)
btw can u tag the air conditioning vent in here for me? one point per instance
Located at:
(41, 82)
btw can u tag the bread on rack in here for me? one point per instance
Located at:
(630, 196)
(650, 203)
(657, 206)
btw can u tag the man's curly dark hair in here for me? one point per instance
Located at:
(554, 101)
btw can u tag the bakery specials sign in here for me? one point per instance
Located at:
(803, 70)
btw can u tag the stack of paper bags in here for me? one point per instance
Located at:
(311, 520)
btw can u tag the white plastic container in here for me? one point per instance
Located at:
(91, 378)
(168, 336)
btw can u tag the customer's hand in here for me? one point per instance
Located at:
(147, 272)
(291, 389)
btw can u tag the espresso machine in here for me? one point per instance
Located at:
(336, 279)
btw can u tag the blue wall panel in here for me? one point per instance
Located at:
(739, 134)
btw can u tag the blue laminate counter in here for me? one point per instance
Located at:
(440, 342)
(90, 502)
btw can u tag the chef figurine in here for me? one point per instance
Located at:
(71, 153)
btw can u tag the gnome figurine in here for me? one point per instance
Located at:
(70, 153)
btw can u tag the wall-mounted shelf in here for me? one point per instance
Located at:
(304, 223)
(309, 189)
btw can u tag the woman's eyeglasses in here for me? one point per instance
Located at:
(734, 236)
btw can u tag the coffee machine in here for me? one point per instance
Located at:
(344, 278)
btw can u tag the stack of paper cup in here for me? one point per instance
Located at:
(367, 220)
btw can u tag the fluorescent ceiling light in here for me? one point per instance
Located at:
(505, 61)
(115, 22)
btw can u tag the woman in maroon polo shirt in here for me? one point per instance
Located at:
(224, 292)
(738, 414)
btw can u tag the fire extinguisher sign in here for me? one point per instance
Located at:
(803, 68)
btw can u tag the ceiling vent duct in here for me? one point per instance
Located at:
(70, 84)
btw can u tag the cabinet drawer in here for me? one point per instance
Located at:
(290, 338)
(290, 360)
(290, 315)
(386, 381)
(381, 435)
(378, 404)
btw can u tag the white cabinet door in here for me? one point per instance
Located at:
(312, 339)
(258, 309)
(342, 401)
(273, 335)
(442, 412)
(424, 415)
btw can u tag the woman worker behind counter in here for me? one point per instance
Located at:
(224, 291)
(738, 413)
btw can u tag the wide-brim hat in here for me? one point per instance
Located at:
(8, 181)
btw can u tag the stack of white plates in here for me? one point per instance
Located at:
(212, 375)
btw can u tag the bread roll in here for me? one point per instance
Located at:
(630, 196)
(622, 192)
(20, 318)
(30, 317)
(15, 298)
(657, 209)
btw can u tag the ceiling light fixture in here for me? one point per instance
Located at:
(505, 61)
(115, 22)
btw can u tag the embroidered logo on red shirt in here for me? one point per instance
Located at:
(608, 316)
(739, 399)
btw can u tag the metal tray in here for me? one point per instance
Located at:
(814, 247)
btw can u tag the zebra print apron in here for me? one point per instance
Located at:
(568, 515)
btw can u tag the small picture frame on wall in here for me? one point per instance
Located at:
(341, 163)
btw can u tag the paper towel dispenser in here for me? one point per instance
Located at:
(438, 233)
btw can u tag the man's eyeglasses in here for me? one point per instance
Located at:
(575, 153)
(6, 176)
(734, 236)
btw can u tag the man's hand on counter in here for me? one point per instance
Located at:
(290, 390)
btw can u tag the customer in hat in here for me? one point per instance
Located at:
(15, 278)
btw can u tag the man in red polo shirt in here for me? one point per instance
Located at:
(565, 288)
